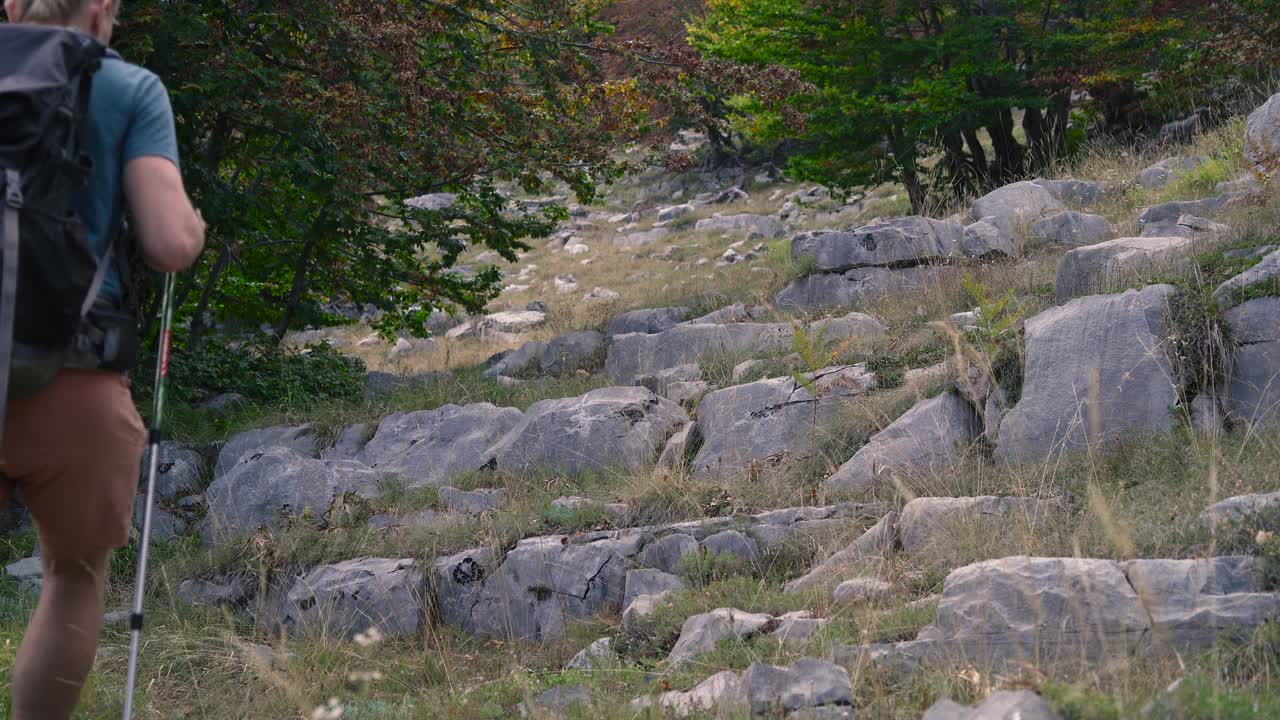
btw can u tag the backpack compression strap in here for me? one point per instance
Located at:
(8, 283)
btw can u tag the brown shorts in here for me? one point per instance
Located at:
(75, 451)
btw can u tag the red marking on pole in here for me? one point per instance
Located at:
(164, 354)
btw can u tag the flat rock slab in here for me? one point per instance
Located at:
(916, 446)
(1253, 396)
(808, 684)
(1266, 271)
(767, 420)
(300, 438)
(599, 655)
(1015, 207)
(855, 288)
(765, 225)
(928, 519)
(1078, 612)
(900, 242)
(649, 582)
(701, 633)
(1262, 137)
(1238, 510)
(1108, 346)
(1110, 265)
(1160, 174)
(428, 447)
(862, 590)
(471, 502)
(352, 597)
(874, 543)
(620, 428)
(722, 694)
(647, 322)
(1073, 228)
(267, 485)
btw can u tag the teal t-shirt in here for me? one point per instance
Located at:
(129, 117)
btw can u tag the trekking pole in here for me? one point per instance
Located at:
(153, 458)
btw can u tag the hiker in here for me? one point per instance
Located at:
(74, 446)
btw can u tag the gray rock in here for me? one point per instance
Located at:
(635, 356)
(764, 421)
(776, 691)
(300, 439)
(1000, 705)
(1206, 414)
(917, 446)
(1074, 192)
(1262, 138)
(349, 443)
(1194, 603)
(267, 485)
(649, 582)
(231, 590)
(541, 585)
(925, 520)
(667, 214)
(573, 503)
(1015, 207)
(1110, 265)
(986, 239)
(795, 629)
(766, 225)
(1199, 227)
(349, 598)
(1073, 228)
(572, 352)
(558, 701)
(28, 573)
(722, 694)
(1044, 610)
(222, 404)
(599, 655)
(459, 581)
(746, 369)
(1159, 175)
(1266, 271)
(165, 526)
(434, 201)
(686, 394)
(640, 608)
(519, 362)
(641, 239)
(648, 322)
(1239, 510)
(611, 428)
(676, 453)
(701, 633)
(873, 543)
(1253, 397)
(632, 356)
(862, 589)
(732, 542)
(735, 313)
(854, 288)
(471, 502)
(1115, 336)
(902, 241)
(179, 472)
(428, 447)
(666, 552)
(946, 709)
(1167, 214)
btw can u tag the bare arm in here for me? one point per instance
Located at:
(171, 230)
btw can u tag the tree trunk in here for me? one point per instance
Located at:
(215, 273)
(979, 154)
(1009, 154)
(300, 268)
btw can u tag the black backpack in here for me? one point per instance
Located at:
(49, 276)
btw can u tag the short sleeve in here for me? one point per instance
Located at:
(151, 131)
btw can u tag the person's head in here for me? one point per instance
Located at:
(94, 17)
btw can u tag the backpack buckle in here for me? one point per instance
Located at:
(13, 189)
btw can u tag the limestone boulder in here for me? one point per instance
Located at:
(765, 225)
(854, 288)
(428, 447)
(899, 242)
(1262, 138)
(352, 597)
(701, 633)
(1253, 396)
(301, 439)
(648, 322)
(1110, 265)
(1264, 275)
(1160, 174)
(1072, 228)
(928, 520)
(1015, 207)
(572, 352)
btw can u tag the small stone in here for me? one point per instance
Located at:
(863, 589)
(471, 502)
(599, 655)
(732, 542)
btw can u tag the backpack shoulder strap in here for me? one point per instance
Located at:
(8, 281)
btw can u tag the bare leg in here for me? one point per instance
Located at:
(58, 649)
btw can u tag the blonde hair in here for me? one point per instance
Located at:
(55, 12)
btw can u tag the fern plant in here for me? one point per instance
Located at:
(814, 354)
(998, 316)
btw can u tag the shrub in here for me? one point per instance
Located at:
(261, 371)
